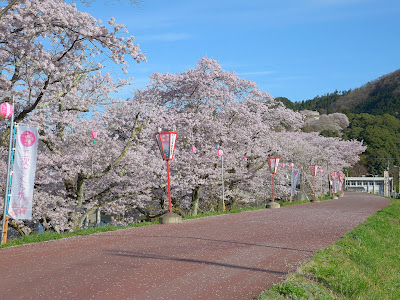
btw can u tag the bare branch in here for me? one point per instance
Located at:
(135, 131)
(7, 8)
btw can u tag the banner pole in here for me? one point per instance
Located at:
(223, 187)
(315, 199)
(273, 196)
(8, 183)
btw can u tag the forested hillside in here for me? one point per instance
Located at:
(373, 112)
(381, 133)
(376, 97)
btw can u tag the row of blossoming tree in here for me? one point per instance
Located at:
(49, 54)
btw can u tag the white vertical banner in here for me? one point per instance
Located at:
(295, 176)
(24, 168)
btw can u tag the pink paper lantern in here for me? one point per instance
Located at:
(193, 148)
(245, 158)
(291, 165)
(301, 167)
(94, 134)
(283, 165)
(6, 110)
(220, 152)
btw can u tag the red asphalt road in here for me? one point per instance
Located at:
(232, 256)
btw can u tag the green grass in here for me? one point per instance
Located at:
(48, 236)
(286, 203)
(217, 213)
(364, 264)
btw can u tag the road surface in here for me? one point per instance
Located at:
(232, 256)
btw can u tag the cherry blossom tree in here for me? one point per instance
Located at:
(48, 48)
(211, 106)
(60, 86)
(49, 58)
(333, 124)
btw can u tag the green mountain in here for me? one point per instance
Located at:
(373, 112)
(377, 97)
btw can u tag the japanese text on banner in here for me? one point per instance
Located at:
(24, 168)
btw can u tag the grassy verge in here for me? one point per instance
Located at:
(217, 213)
(364, 264)
(48, 236)
(286, 203)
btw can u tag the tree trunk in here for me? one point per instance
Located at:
(195, 201)
(79, 200)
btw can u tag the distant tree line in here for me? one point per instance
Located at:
(377, 97)
(373, 113)
(322, 104)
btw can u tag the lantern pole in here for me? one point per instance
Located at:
(291, 181)
(8, 181)
(314, 187)
(223, 187)
(273, 187)
(220, 152)
(169, 189)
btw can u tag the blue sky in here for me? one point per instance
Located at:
(292, 48)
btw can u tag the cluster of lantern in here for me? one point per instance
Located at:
(166, 142)
(340, 176)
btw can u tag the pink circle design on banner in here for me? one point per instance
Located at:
(27, 138)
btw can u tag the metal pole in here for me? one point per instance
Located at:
(273, 187)
(169, 189)
(7, 189)
(223, 187)
(314, 187)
